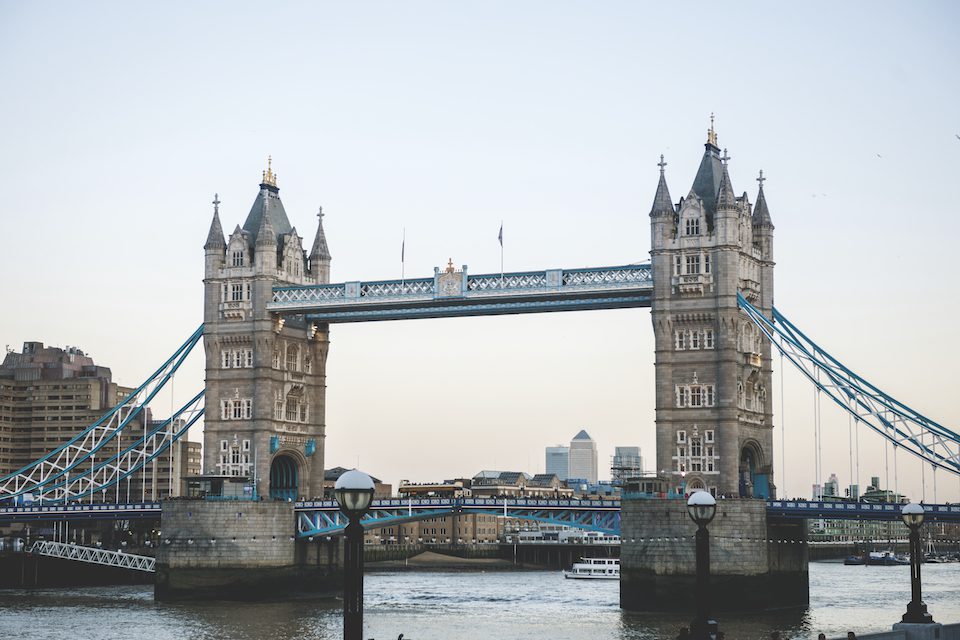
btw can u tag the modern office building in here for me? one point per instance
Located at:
(558, 461)
(48, 395)
(583, 458)
(627, 463)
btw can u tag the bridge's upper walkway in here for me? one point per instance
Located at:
(453, 293)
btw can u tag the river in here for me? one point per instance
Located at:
(471, 606)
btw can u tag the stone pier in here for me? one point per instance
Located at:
(755, 564)
(239, 550)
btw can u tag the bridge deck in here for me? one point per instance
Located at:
(460, 294)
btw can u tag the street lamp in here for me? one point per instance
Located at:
(353, 491)
(702, 507)
(912, 516)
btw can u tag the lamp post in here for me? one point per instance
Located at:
(702, 507)
(354, 491)
(912, 516)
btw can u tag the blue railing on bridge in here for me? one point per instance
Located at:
(79, 511)
(836, 510)
(458, 293)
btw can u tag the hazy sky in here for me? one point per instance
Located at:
(120, 120)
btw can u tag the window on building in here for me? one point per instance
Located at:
(223, 296)
(237, 410)
(223, 445)
(709, 394)
(696, 448)
(238, 258)
(677, 265)
(708, 435)
(693, 264)
(225, 359)
(696, 396)
(249, 355)
(693, 227)
(708, 339)
(681, 436)
(694, 339)
(706, 263)
(248, 291)
(680, 337)
(237, 359)
(293, 356)
(236, 292)
(682, 396)
(247, 409)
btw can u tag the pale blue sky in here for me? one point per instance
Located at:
(120, 121)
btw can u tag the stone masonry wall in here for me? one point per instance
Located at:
(236, 550)
(658, 557)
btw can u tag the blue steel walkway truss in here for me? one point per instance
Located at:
(452, 294)
(325, 518)
(895, 421)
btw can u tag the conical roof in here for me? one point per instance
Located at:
(267, 204)
(215, 239)
(583, 435)
(662, 204)
(265, 234)
(725, 196)
(761, 215)
(320, 250)
(707, 182)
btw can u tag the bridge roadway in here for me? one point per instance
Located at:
(324, 518)
(456, 293)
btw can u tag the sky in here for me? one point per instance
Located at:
(441, 120)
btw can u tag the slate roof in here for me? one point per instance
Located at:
(707, 182)
(268, 199)
(761, 215)
(662, 204)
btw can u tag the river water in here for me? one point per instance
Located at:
(471, 606)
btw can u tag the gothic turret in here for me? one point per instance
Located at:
(267, 206)
(320, 254)
(761, 215)
(215, 239)
(725, 196)
(662, 204)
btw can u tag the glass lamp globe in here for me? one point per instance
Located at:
(702, 507)
(912, 515)
(353, 491)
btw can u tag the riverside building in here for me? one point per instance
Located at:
(48, 395)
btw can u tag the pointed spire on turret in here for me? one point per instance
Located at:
(662, 204)
(725, 196)
(320, 250)
(215, 239)
(266, 235)
(761, 215)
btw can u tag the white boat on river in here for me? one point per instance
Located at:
(595, 569)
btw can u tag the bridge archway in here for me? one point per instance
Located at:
(754, 481)
(284, 477)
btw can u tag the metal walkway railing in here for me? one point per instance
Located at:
(94, 555)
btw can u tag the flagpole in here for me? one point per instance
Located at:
(403, 261)
(501, 254)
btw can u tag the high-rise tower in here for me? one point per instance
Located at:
(265, 377)
(713, 368)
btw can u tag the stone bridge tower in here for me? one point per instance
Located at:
(714, 408)
(713, 369)
(265, 378)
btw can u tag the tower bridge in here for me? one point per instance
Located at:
(268, 309)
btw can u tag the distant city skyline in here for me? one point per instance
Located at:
(419, 138)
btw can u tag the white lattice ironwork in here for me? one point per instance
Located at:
(905, 428)
(318, 293)
(99, 476)
(396, 288)
(495, 282)
(93, 555)
(554, 283)
(58, 465)
(619, 275)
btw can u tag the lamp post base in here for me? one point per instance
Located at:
(917, 614)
